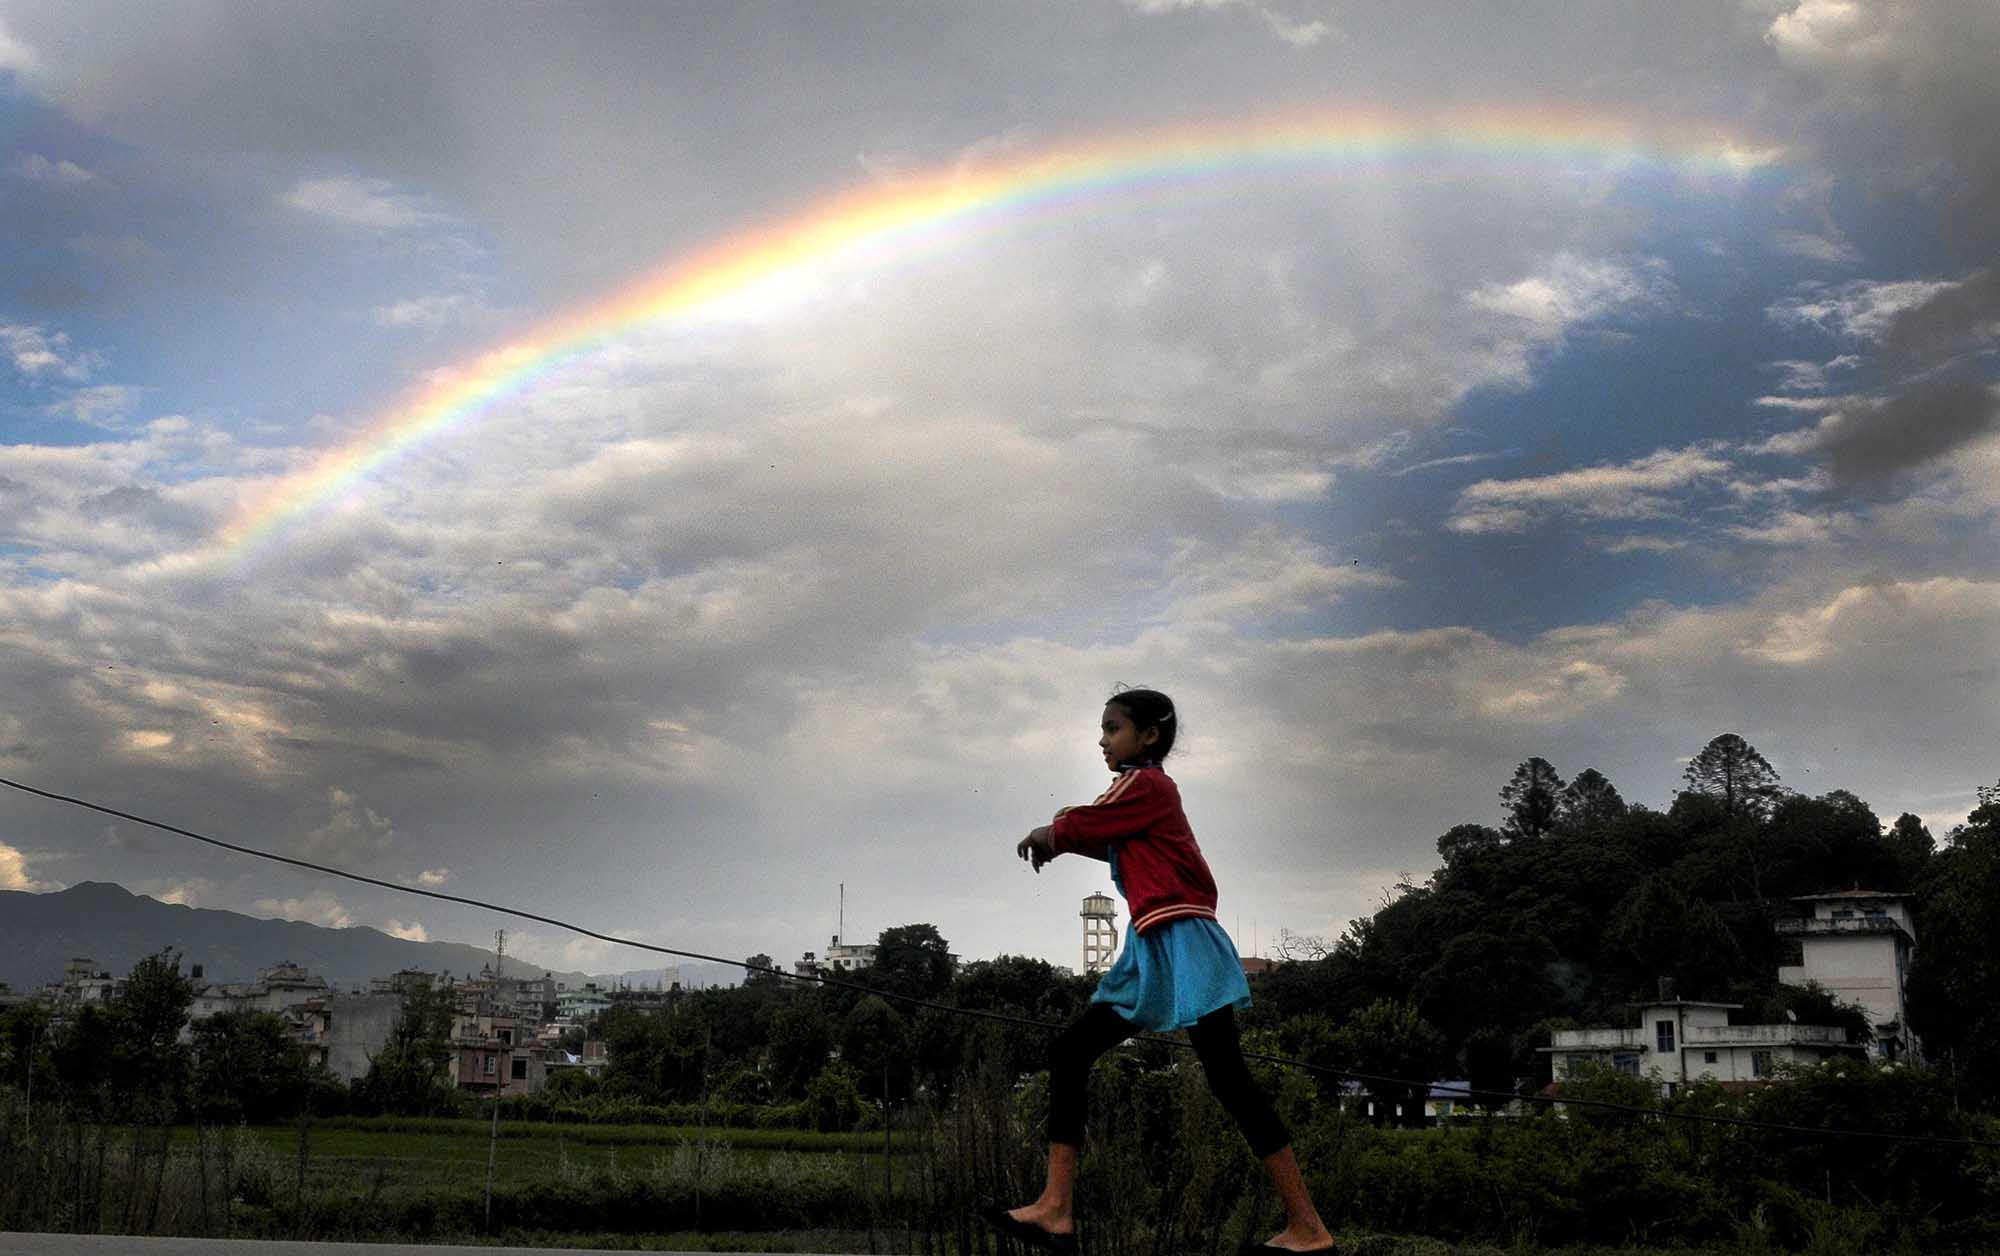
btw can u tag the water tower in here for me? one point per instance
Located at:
(1100, 932)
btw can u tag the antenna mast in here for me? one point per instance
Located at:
(841, 928)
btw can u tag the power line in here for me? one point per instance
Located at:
(978, 1013)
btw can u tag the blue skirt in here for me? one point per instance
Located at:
(1174, 975)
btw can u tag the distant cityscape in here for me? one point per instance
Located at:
(511, 1033)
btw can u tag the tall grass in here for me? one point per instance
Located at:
(1165, 1172)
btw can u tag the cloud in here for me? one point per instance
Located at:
(317, 908)
(59, 173)
(1818, 246)
(17, 56)
(411, 932)
(432, 878)
(1628, 490)
(369, 204)
(433, 311)
(1861, 309)
(1931, 339)
(99, 405)
(125, 252)
(1574, 289)
(1269, 574)
(1898, 98)
(39, 353)
(352, 828)
(14, 867)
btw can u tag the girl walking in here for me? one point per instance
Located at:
(1178, 970)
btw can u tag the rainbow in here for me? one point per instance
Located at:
(909, 209)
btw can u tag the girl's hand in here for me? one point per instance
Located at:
(1038, 847)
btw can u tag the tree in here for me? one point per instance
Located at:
(1589, 801)
(1955, 971)
(1462, 840)
(754, 977)
(801, 1041)
(247, 1067)
(154, 1065)
(1389, 1040)
(1532, 799)
(874, 1042)
(411, 1074)
(1730, 769)
(1657, 931)
(912, 960)
(1910, 842)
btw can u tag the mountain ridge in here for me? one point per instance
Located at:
(116, 928)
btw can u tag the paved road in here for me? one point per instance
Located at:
(12, 1244)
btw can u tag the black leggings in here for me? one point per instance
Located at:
(1215, 1042)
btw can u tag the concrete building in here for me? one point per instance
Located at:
(1682, 1040)
(357, 1027)
(839, 958)
(581, 1005)
(277, 989)
(1100, 932)
(1857, 946)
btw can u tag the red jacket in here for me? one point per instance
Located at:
(1164, 874)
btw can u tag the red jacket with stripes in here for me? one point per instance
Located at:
(1164, 874)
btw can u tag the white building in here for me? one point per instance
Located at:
(839, 958)
(1857, 946)
(581, 1005)
(1680, 1041)
(278, 989)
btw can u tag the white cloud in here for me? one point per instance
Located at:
(1792, 528)
(1861, 309)
(431, 311)
(1628, 490)
(317, 908)
(14, 873)
(352, 828)
(411, 932)
(99, 405)
(1268, 574)
(59, 173)
(1573, 289)
(17, 56)
(37, 352)
(372, 204)
(432, 878)
(1299, 32)
(1818, 246)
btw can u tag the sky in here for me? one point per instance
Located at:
(656, 465)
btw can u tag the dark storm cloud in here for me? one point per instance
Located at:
(1918, 423)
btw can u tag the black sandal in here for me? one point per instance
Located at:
(1025, 1231)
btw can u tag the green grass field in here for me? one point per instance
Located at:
(391, 1157)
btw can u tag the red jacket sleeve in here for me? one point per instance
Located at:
(1134, 803)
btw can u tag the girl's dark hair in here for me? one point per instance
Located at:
(1149, 708)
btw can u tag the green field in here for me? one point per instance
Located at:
(397, 1157)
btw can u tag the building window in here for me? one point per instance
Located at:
(1760, 1064)
(520, 1068)
(1626, 1064)
(1708, 1057)
(489, 1066)
(1663, 1032)
(506, 1037)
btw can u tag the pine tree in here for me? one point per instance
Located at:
(1730, 770)
(1532, 799)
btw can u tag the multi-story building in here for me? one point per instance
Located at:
(1682, 1040)
(1857, 946)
